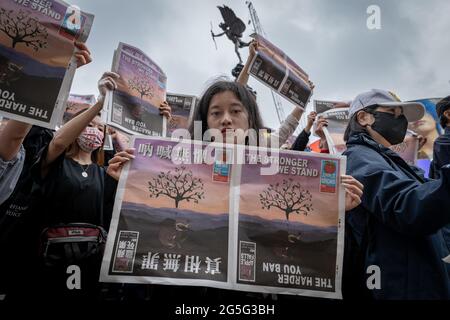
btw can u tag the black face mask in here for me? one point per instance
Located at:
(391, 128)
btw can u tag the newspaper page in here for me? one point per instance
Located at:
(134, 106)
(275, 69)
(334, 132)
(36, 51)
(320, 106)
(203, 221)
(171, 218)
(290, 239)
(183, 107)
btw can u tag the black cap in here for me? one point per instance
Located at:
(442, 105)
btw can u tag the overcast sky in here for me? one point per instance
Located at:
(329, 39)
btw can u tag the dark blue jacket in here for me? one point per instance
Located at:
(398, 226)
(441, 154)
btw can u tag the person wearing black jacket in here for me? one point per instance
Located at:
(399, 226)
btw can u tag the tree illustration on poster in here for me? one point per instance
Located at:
(141, 86)
(180, 186)
(21, 28)
(289, 197)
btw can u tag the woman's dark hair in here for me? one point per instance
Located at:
(244, 96)
(353, 126)
(98, 155)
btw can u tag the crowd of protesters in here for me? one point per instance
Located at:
(396, 218)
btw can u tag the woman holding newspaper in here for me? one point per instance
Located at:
(228, 107)
(73, 188)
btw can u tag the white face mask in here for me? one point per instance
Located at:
(90, 139)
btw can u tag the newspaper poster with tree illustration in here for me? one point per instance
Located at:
(182, 111)
(171, 218)
(290, 239)
(338, 119)
(276, 70)
(76, 103)
(186, 215)
(37, 61)
(134, 106)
